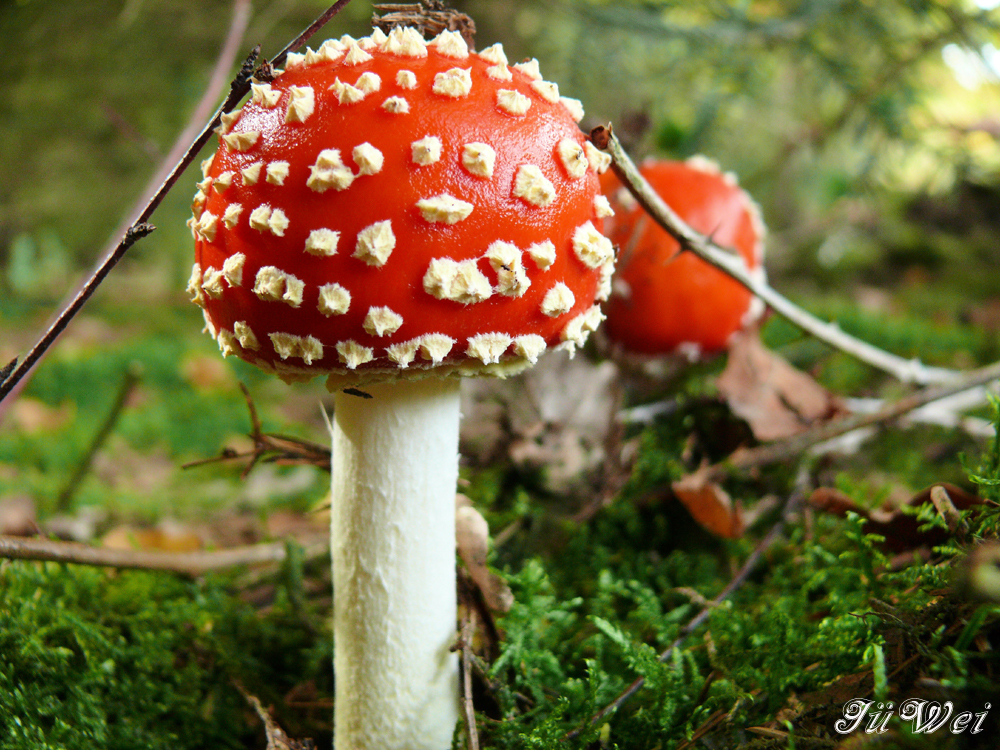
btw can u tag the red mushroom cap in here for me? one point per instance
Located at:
(666, 305)
(388, 205)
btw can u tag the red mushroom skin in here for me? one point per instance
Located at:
(663, 304)
(387, 205)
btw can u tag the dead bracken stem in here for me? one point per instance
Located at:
(140, 227)
(470, 712)
(905, 370)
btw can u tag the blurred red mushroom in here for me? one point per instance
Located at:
(384, 211)
(665, 303)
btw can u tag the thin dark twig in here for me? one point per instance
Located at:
(140, 228)
(132, 376)
(311, 29)
(743, 574)
(269, 447)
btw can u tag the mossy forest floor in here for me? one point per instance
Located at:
(605, 565)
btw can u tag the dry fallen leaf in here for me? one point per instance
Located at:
(901, 531)
(554, 419)
(710, 505)
(169, 536)
(774, 398)
(472, 537)
(18, 516)
(33, 416)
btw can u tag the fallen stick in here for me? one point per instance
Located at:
(185, 563)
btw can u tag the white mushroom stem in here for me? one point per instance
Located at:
(395, 467)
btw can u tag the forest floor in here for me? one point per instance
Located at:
(847, 582)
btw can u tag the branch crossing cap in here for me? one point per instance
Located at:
(666, 305)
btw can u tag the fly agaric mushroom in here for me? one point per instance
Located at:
(395, 213)
(662, 304)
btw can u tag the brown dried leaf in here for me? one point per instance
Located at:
(774, 398)
(555, 418)
(32, 416)
(168, 537)
(472, 537)
(710, 505)
(902, 532)
(18, 516)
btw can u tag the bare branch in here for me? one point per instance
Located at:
(311, 29)
(270, 447)
(905, 370)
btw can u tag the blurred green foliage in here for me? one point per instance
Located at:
(839, 116)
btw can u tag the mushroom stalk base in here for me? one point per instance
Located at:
(395, 467)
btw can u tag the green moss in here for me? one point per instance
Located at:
(94, 659)
(596, 611)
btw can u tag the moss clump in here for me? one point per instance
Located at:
(140, 660)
